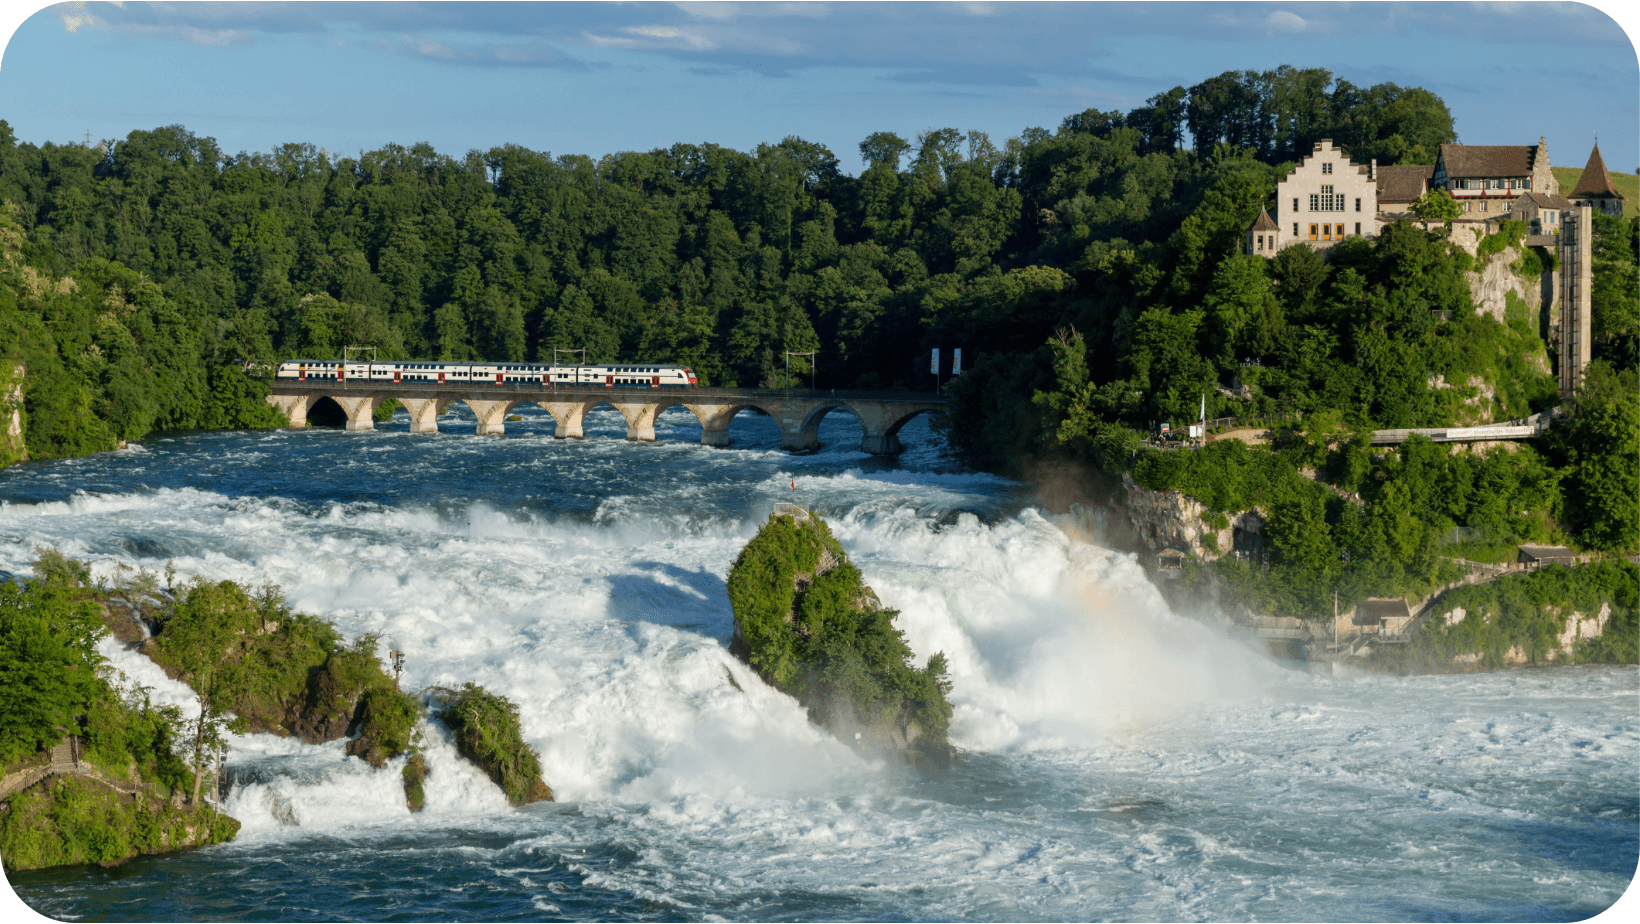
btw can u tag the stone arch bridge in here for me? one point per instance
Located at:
(798, 412)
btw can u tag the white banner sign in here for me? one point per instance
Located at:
(956, 361)
(934, 363)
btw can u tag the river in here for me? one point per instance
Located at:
(1124, 763)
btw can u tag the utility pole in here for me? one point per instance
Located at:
(813, 363)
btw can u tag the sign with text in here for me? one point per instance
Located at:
(956, 361)
(934, 362)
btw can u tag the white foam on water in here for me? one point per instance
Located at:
(1050, 642)
(1130, 763)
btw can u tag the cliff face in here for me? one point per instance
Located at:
(1171, 519)
(12, 448)
(809, 625)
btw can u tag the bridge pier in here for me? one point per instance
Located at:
(492, 415)
(424, 413)
(640, 421)
(881, 444)
(714, 422)
(799, 440)
(361, 412)
(568, 416)
(294, 407)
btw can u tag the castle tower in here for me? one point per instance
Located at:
(1594, 187)
(1263, 238)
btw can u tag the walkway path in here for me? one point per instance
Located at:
(65, 761)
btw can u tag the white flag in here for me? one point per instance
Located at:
(934, 363)
(956, 361)
(1204, 409)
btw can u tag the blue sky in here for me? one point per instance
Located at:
(596, 78)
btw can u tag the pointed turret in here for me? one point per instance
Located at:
(1594, 187)
(1595, 181)
(1264, 237)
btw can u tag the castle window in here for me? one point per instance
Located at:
(1315, 202)
(1295, 211)
(1483, 205)
(1358, 229)
(1326, 168)
(1295, 230)
(1358, 203)
(1313, 229)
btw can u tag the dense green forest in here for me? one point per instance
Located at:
(718, 258)
(1091, 273)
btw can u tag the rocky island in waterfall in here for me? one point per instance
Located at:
(91, 771)
(809, 625)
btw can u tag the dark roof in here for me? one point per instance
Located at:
(1488, 159)
(1403, 184)
(1595, 183)
(1264, 222)
(1382, 608)
(1544, 553)
(1546, 201)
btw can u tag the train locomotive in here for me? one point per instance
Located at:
(635, 375)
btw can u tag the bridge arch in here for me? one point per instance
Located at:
(715, 419)
(890, 436)
(805, 435)
(324, 411)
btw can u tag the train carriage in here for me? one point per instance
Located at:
(637, 375)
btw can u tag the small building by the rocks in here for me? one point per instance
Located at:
(1170, 561)
(1390, 615)
(1536, 556)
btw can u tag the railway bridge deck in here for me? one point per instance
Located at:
(798, 412)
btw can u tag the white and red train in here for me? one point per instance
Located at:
(636, 375)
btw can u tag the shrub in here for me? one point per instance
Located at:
(488, 733)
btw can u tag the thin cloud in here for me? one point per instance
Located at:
(909, 37)
(1283, 21)
(991, 77)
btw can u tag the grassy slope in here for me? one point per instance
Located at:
(1627, 184)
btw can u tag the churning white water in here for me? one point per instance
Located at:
(1124, 762)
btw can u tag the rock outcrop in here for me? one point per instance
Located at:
(809, 625)
(488, 733)
(1173, 519)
